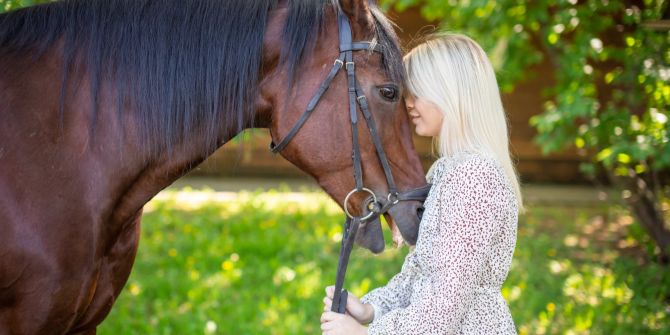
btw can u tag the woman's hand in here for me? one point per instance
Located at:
(341, 324)
(363, 313)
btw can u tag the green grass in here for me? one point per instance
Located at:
(257, 263)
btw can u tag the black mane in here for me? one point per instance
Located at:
(179, 64)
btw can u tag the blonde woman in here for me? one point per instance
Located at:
(450, 282)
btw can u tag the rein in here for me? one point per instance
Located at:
(357, 99)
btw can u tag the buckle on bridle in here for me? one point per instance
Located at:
(395, 196)
(374, 206)
(346, 203)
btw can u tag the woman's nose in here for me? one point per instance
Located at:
(409, 103)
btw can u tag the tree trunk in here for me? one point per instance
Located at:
(644, 205)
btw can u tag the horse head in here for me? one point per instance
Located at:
(325, 120)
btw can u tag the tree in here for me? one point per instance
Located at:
(611, 91)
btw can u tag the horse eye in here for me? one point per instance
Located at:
(389, 93)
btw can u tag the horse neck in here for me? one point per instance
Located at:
(166, 167)
(156, 172)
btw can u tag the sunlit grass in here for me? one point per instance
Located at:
(256, 263)
(188, 199)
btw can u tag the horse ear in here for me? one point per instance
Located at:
(356, 10)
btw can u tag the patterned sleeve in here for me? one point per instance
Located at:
(471, 199)
(394, 295)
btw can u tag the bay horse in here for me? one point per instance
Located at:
(104, 103)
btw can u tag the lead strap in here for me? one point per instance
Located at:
(339, 304)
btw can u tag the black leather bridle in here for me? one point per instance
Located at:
(357, 97)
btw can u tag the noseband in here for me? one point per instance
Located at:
(374, 207)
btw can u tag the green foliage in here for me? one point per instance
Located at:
(252, 263)
(608, 95)
(7, 5)
(611, 91)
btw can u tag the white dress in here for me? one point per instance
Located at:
(450, 282)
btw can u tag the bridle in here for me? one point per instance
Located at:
(357, 97)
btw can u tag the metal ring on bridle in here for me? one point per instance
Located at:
(396, 198)
(346, 202)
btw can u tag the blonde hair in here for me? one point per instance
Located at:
(453, 72)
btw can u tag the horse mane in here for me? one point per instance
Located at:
(179, 65)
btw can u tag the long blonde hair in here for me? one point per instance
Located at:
(453, 72)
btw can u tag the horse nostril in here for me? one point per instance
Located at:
(419, 212)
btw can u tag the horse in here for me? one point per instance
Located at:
(104, 103)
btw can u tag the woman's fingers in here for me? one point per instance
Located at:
(328, 327)
(330, 316)
(328, 299)
(330, 291)
(352, 301)
(327, 303)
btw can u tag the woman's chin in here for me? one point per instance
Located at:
(420, 130)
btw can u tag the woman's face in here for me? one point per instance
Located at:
(426, 116)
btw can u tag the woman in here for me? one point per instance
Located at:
(450, 282)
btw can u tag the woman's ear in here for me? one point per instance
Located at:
(358, 11)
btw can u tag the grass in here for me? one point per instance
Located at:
(257, 263)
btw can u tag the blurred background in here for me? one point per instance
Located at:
(246, 243)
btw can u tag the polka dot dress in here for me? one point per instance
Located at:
(450, 281)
